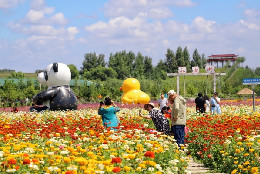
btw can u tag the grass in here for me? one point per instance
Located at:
(26, 75)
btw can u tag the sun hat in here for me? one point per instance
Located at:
(171, 92)
(151, 104)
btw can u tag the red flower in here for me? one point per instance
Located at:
(209, 155)
(26, 161)
(116, 169)
(12, 161)
(116, 160)
(69, 172)
(149, 154)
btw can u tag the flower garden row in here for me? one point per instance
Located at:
(228, 143)
(75, 142)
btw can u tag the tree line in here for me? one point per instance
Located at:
(107, 77)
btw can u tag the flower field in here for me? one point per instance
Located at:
(229, 142)
(75, 142)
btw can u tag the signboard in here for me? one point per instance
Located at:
(195, 70)
(210, 69)
(251, 81)
(182, 70)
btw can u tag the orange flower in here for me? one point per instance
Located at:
(69, 172)
(12, 161)
(149, 154)
(26, 161)
(116, 169)
(116, 160)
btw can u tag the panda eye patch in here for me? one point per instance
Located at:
(46, 75)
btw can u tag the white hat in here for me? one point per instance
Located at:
(152, 104)
(171, 92)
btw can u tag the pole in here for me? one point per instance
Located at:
(178, 84)
(214, 83)
(184, 88)
(253, 97)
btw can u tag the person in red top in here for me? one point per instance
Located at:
(166, 111)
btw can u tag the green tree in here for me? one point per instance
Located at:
(10, 90)
(148, 67)
(122, 63)
(100, 73)
(17, 75)
(257, 71)
(74, 71)
(186, 56)
(138, 66)
(196, 59)
(171, 62)
(180, 57)
(91, 60)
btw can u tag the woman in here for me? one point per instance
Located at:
(108, 113)
(160, 122)
(206, 98)
(215, 104)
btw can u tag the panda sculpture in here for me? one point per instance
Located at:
(58, 96)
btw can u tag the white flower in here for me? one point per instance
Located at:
(72, 167)
(34, 167)
(151, 169)
(11, 170)
(64, 152)
(50, 153)
(101, 166)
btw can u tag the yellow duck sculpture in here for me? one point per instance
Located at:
(132, 93)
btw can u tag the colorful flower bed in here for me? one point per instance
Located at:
(75, 142)
(227, 143)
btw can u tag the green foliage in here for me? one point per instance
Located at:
(17, 75)
(74, 71)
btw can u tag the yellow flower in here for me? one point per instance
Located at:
(237, 151)
(221, 151)
(126, 168)
(66, 160)
(235, 162)
(246, 154)
(142, 165)
(251, 150)
(242, 149)
(254, 170)
(234, 171)
(158, 172)
(240, 166)
(246, 163)
(239, 143)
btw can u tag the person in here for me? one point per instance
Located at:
(178, 116)
(160, 122)
(206, 98)
(166, 110)
(162, 101)
(200, 103)
(215, 104)
(108, 110)
(15, 109)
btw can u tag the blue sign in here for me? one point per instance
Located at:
(251, 81)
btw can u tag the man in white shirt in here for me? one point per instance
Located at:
(162, 101)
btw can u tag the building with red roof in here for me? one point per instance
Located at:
(221, 58)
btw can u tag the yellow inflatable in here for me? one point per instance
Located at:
(132, 93)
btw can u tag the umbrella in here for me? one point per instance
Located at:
(245, 91)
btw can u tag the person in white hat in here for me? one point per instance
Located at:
(178, 116)
(160, 122)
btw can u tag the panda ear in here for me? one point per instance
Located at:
(55, 67)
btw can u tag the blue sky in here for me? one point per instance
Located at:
(35, 33)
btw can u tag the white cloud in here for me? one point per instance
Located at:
(250, 25)
(72, 31)
(183, 3)
(203, 25)
(5, 4)
(154, 9)
(38, 4)
(252, 13)
(34, 16)
(59, 19)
